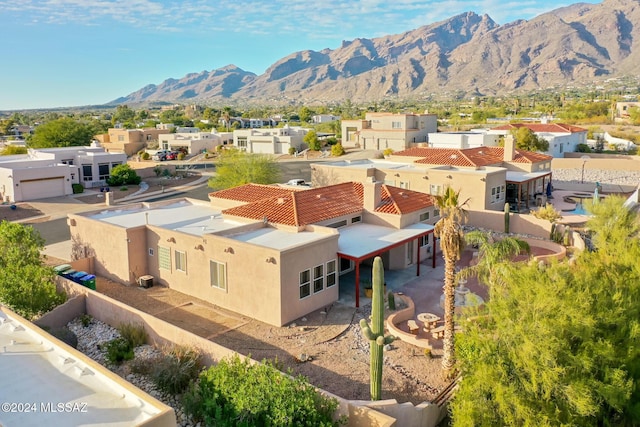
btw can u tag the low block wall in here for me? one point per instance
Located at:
(518, 223)
(401, 316)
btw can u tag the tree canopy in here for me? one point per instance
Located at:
(557, 344)
(311, 139)
(529, 141)
(26, 285)
(123, 175)
(63, 132)
(235, 168)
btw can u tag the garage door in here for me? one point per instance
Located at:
(42, 188)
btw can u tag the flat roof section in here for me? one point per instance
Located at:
(278, 239)
(359, 240)
(42, 383)
(513, 176)
(184, 216)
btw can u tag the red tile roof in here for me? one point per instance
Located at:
(299, 208)
(470, 157)
(251, 192)
(541, 128)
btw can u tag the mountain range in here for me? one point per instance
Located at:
(467, 53)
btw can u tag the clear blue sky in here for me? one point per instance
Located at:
(60, 53)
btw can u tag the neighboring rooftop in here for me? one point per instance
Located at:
(543, 127)
(470, 157)
(185, 215)
(36, 370)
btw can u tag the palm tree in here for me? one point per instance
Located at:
(491, 253)
(449, 230)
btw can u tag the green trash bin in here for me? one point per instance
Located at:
(88, 281)
(60, 269)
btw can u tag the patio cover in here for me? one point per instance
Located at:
(361, 241)
(525, 178)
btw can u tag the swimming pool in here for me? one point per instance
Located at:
(580, 200)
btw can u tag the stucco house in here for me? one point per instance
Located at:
(50, 172)
(129, 141)
(462, 140)
(379, 131)
(267, 252)
(194, 142)
(562, 138)
(270, 141)
(486, 176)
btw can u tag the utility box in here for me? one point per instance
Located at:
(145, 281)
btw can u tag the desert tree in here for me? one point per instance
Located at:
(235, 168)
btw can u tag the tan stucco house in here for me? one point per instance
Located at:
(267, 252)
(486, 176)
(379, 131)
(562, 138)
(129, 141)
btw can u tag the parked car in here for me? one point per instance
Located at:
(172, 155)
(298, 182)
(160, 155)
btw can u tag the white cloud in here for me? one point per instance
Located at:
(318, 20)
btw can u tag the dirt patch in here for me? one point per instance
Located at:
(21, 211)
(330, 338)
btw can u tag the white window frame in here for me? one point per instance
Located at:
(180, 258)
(404, 185)
(305, 283)
(331, 273)
(318, 278)
(424, 216)
(220, 281)
(435, 189)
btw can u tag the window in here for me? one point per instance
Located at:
(164, 258)
(181, 261)
(67, 162)
(87, 172)
(331, 273)
(404, 184)
(396, 125)
(150, 251)
(305, 283)
(356, 219)
(103, 171)
(423, 241)
(218, 272)
(242, 143)
(497, 194)
(120, 138)
(436, 213)
(561, 147)
(338, 224)
(345, 265)
(318, 278)
(435, 189)
(424, 216)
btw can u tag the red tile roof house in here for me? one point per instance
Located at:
(271, 253)
(562, 138)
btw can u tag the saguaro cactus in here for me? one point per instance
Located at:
(507, 211)
(375, 332)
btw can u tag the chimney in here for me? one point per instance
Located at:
(372, 191)
(509, 148)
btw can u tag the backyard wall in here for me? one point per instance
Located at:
(518, 223)
(161, 333)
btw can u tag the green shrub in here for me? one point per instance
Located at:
(66, 336)
(583, 148)
(133, 333)
(157, 170)
(337, 150)
(181, 156)
(387, 151)
(143, 366)
(77, 188)
(166, 173)
(118, 350)
(257, 395)
(123, 175)
(176, 369)
(85, 319)
(292, 151)
(145, 156)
